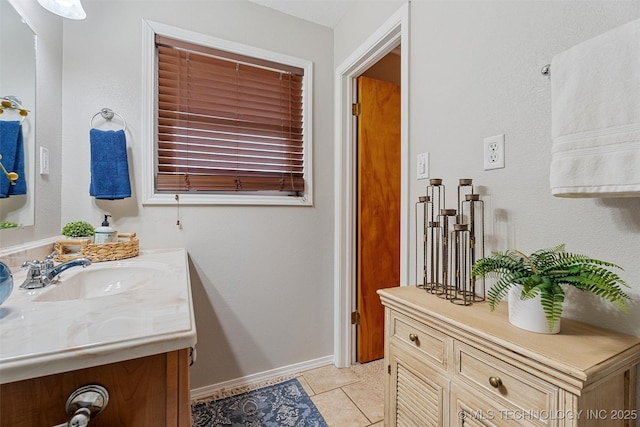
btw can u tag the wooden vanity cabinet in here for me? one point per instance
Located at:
(449, 365)
(148, 391)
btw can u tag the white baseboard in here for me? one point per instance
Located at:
(203, 392)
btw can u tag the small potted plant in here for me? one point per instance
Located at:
(78, 230)
(539, 278)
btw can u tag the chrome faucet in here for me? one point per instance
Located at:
(49, 275)
(43, 273)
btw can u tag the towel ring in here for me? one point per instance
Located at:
(14, 104)
(108, 114)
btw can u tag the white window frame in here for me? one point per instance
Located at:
(149, 121)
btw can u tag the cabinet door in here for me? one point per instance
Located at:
(418, 393)
(149, 391)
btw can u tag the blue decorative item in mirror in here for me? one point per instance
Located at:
(6, 282)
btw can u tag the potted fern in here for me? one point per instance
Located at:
(539, 278)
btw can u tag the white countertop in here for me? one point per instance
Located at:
(40, 338)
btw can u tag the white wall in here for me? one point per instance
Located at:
(253, 312)
(361, 20)
(475, 72)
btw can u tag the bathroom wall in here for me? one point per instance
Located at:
(48, 130)
(475, 72)
(253, 312)
(363, 19)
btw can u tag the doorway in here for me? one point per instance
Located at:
(394, 32)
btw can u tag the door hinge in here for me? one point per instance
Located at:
(355, 317)
(356, 108)
(389, 369)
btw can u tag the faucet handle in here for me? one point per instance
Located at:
(48, 263)
(31, 264)
(34, 275)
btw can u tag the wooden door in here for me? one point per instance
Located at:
(378, 230)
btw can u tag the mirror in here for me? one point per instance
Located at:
(18, 79)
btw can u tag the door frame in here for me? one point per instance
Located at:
(394, 32)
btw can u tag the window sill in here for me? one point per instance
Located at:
(231, 199)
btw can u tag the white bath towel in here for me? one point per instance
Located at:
(595, 91)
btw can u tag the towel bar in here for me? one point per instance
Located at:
(108, 114)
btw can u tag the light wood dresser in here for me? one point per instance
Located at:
(450, 365)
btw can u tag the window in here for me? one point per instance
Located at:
(230, 122)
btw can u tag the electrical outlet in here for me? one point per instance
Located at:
(493, 153)
(423, 166)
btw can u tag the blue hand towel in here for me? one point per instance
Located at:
(109, 166)
(12, 150)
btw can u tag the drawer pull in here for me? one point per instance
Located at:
(495, 382)
(413, 337)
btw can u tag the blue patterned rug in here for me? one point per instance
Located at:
(278, 405)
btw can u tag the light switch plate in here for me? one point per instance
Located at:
(44, 161)
(423, 166)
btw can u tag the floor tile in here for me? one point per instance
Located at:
(368, 399)
(338, 410)
(329, 377)
(372, 372)
(305, 385)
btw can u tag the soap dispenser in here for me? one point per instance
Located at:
(105, 233)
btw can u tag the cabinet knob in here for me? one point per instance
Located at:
(495, 382)
(413, 337)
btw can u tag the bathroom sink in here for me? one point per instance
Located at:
(97, 281)
(105, 313)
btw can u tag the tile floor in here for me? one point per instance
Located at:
(349, 397)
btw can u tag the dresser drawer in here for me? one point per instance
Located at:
(498, 379)
(469, 409)
(425, 339)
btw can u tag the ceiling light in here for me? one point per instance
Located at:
(71, 9)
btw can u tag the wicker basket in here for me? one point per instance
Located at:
(69, 249)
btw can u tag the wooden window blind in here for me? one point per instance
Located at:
(227, 122)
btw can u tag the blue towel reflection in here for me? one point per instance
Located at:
(12, 150)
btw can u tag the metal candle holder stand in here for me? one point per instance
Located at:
(452, 241)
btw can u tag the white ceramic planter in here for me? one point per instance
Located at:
(528, 314)
(74, 249)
